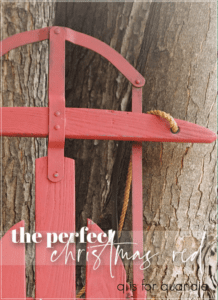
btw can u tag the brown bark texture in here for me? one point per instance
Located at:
(173, 45)
(24, 83)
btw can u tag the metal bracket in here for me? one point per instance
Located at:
(56, 96)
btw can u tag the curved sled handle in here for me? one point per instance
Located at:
(79, 39)
(23, 38)
(109, 53)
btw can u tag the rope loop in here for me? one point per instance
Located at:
(173, 125)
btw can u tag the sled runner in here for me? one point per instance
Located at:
(55, 174)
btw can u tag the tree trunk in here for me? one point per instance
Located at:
(92, 82)
(173, 46)
(179, 55)
(24, 83)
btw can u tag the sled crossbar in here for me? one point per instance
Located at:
(84, 123)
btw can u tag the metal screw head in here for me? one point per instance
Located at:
(56, 174)
(137, 81)
(57, 30)
(57, 127)
(57, 113)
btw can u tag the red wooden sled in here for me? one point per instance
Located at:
(55, 174)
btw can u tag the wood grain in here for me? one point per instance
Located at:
(12, 263)
(103, 125)
(102, 283)
(24, 83)
(55, 212)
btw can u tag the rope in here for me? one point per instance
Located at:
(173, 125)
(126, 197)
(175, 129)
(81, 292)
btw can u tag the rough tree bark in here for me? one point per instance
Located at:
(180, 179)
(24, 83)
(92, 82)
(173, 46)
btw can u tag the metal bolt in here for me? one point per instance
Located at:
(57, 127)
(56, 174)
(57, 30)
(57, 113)
(137, 81)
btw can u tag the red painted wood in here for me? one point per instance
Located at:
(23, 38)
(12, 266)
(99, 283)
(55, 212)
(24, 121)
(56, 95)
(126, 126)
(103, 125)
(106, 51)
(137, 202)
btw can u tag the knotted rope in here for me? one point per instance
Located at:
(175, 129)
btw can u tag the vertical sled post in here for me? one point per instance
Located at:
(56, 96)
(137, 200)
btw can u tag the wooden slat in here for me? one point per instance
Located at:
(101, 283)
(24, 121)
(55, 212)
(12, 266)
(103, 125)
